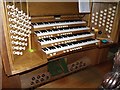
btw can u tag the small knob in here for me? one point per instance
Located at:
(33, 78)
(104, 41)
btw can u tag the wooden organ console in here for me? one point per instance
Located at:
(43, 41)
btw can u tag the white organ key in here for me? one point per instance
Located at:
(72, 46)
(64, 39)
(58, 24)
(63, 31)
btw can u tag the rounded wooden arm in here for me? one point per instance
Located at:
(111, 80)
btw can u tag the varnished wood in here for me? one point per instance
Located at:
(15, 64)
(88, 78)
(116, 25)
(10, 82)
(52, 8)
(1, 71)
(100, 6)
(103, 52)
(6, 34)
(22, 68)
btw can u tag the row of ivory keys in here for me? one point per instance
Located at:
(63, 40)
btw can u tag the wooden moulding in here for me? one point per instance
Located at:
(51, 18)
(52, 8)
(115, 35)
(16, 64)
(30, 60)
(6, 50)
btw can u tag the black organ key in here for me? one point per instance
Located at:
(76, 34)
(65, 36)
(66, 28)
(69, 44)
(47, 39)
(75, 42)
(41, 40)
(61, 29)
(45, 49)
(79, 41)
(63, 45)
(70, 35)
(59, 37)
(52, 47)
(43, 31)
(36, 32)
(53, 38)
(55, 29)
(84, 41)
(33, 24)
(87, 33)
(90, 39)
(40, 23)
(46, 22)
(50, 30)
(58, 46)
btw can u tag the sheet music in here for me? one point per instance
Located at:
(84, 6)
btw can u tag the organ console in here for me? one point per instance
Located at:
(42, 41)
